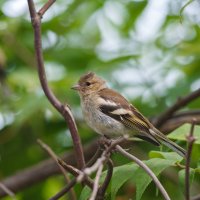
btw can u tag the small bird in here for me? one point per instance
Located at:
(110, 114)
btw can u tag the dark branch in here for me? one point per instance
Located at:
(102, 189)
(72, 194)
(46, 6)
(179, 119)
(190, 140)
(7, 191)
(88, 181)
(64, 110)
(180, 103)
(42, 171)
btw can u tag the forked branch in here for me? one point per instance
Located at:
(63, 109)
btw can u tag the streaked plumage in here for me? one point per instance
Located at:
(110, 114)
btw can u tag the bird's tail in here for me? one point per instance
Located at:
(167, 142)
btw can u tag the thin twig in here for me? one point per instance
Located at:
(106, 153)
(7, 191)
(41, 171)
(190, 140)
(75, 172)
(44, 8)
(180, 103)
(88, 171)
(63, 109)
(147, 169)
(179, 119)
(104, 186)
(83, 176)
(96, 182)
(72, 194)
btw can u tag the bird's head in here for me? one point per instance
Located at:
(89, 83)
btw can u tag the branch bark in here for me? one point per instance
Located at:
(43, 170)
(180, 103)
(104, 186)
(179, 119)
(7, 191)
(64, 110)
(72, 194)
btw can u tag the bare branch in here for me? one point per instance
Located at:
(180, 103)
(46, 6)
(96, 182)
(147, 170)
(72, 194)
(190, 140)
(83, 176)
(102, 189)
(179, 119)
(89, 170)
(63, 109)
(7, 191)
(74, 171)
(41, 171)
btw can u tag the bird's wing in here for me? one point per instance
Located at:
(117, 107)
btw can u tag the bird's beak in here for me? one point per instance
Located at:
(75, 87)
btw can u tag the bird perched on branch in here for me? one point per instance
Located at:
(110, 114)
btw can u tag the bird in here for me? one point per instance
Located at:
(110, 114)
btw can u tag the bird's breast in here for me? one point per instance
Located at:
(100, 122)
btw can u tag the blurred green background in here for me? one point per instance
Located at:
(140, 47)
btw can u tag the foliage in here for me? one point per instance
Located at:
(139, 47)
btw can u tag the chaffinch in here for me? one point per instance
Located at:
(110, 114)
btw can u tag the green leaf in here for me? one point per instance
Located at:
(85, 193)
(134, 173)
(181, 133)
(142, 179)
(166, 155)
(138, 175)
(120, 176)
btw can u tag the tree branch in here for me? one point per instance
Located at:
(75, 172)
(179, 119)
(190, 140)
(96, 182)
(63, 109)
(72, 194)
(7, 191)
(147, 169)
(46, 6)
(104, 186)
(42, 170)
(180, 103)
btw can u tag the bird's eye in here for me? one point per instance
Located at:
(88, 83)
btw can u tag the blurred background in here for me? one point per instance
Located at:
(141, 48)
